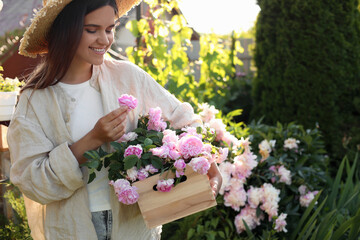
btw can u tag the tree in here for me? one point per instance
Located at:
(308, 59)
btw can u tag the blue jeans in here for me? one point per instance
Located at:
(102, 222)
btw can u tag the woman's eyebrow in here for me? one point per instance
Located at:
(97, 26)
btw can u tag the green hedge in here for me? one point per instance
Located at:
(308, 59)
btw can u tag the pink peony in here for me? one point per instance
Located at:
(189, 146)
(126, 194)
(142, 174)
(226, 169)
(223, 154)
(254, 196)
(132, 174)
(285, 175)
(127, 100)
(270, 200)
(162, 152)
(165, 185)
(280, 223)
(179, 165)
(208, 112)
(306, 199)
(155, 121)
(127, 137)
(244, 164)
(200, 165)
(235, 198)
(170, 137)
(133, 150)
(151, 169)
(291, 143)
(247, 214)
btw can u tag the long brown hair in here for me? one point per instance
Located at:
(63, 40)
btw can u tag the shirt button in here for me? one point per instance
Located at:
(73, 99)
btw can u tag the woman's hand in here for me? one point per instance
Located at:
(110, 127)
(215, 178)
(107, 129)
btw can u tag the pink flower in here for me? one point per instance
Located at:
(119, 184)
(165, 185)
(306, 199)
(170, 137)
(133, 150)
(285, 175)
(125, 193)
(127, 100)
(179, 165)
(291, 143)
(223, 154)
(128, 195)
(155, 121)
(254, 196)
(127, 137)
(151, 169)
(132, 174)
(226, 169)
(280, 223)
(302, 189)
(247, 214)
(208, 112)
(189, 146)
(270, 200)
(190, 131)
(244, 164)
(236, 198)
(219, 126)
(200, 165)
(162, 152)
(142, 174)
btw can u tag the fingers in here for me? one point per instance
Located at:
(214, 186)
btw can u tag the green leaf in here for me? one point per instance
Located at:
(130, 161)
(91, 177)
(156, 162)
(190, 233)
(148, 142)
(92, 154)
(117, 146)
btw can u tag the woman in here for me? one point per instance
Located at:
(69, 106)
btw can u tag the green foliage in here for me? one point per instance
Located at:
(8, 84)
(338, 216)
(307, 164)
(17, 228)
(162, 52)
(308, 60)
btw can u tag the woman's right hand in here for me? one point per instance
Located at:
(107, 129)
(110, 127)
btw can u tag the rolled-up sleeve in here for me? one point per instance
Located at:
(42, 171)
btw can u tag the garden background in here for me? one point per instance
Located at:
(298, 106)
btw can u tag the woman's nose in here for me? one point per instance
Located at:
(104, 38)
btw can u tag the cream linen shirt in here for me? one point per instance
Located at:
(48, 174)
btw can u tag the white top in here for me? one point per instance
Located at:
(88, 110)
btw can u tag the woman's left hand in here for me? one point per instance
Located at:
(215, 178)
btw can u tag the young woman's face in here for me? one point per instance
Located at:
(97, 37)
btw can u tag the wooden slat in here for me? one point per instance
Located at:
(189, 197)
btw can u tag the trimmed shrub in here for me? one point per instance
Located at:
(308, 59)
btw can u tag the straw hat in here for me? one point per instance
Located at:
(34, 39)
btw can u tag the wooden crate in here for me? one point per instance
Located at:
(186, 198)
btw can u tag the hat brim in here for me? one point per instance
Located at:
(34, 39)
